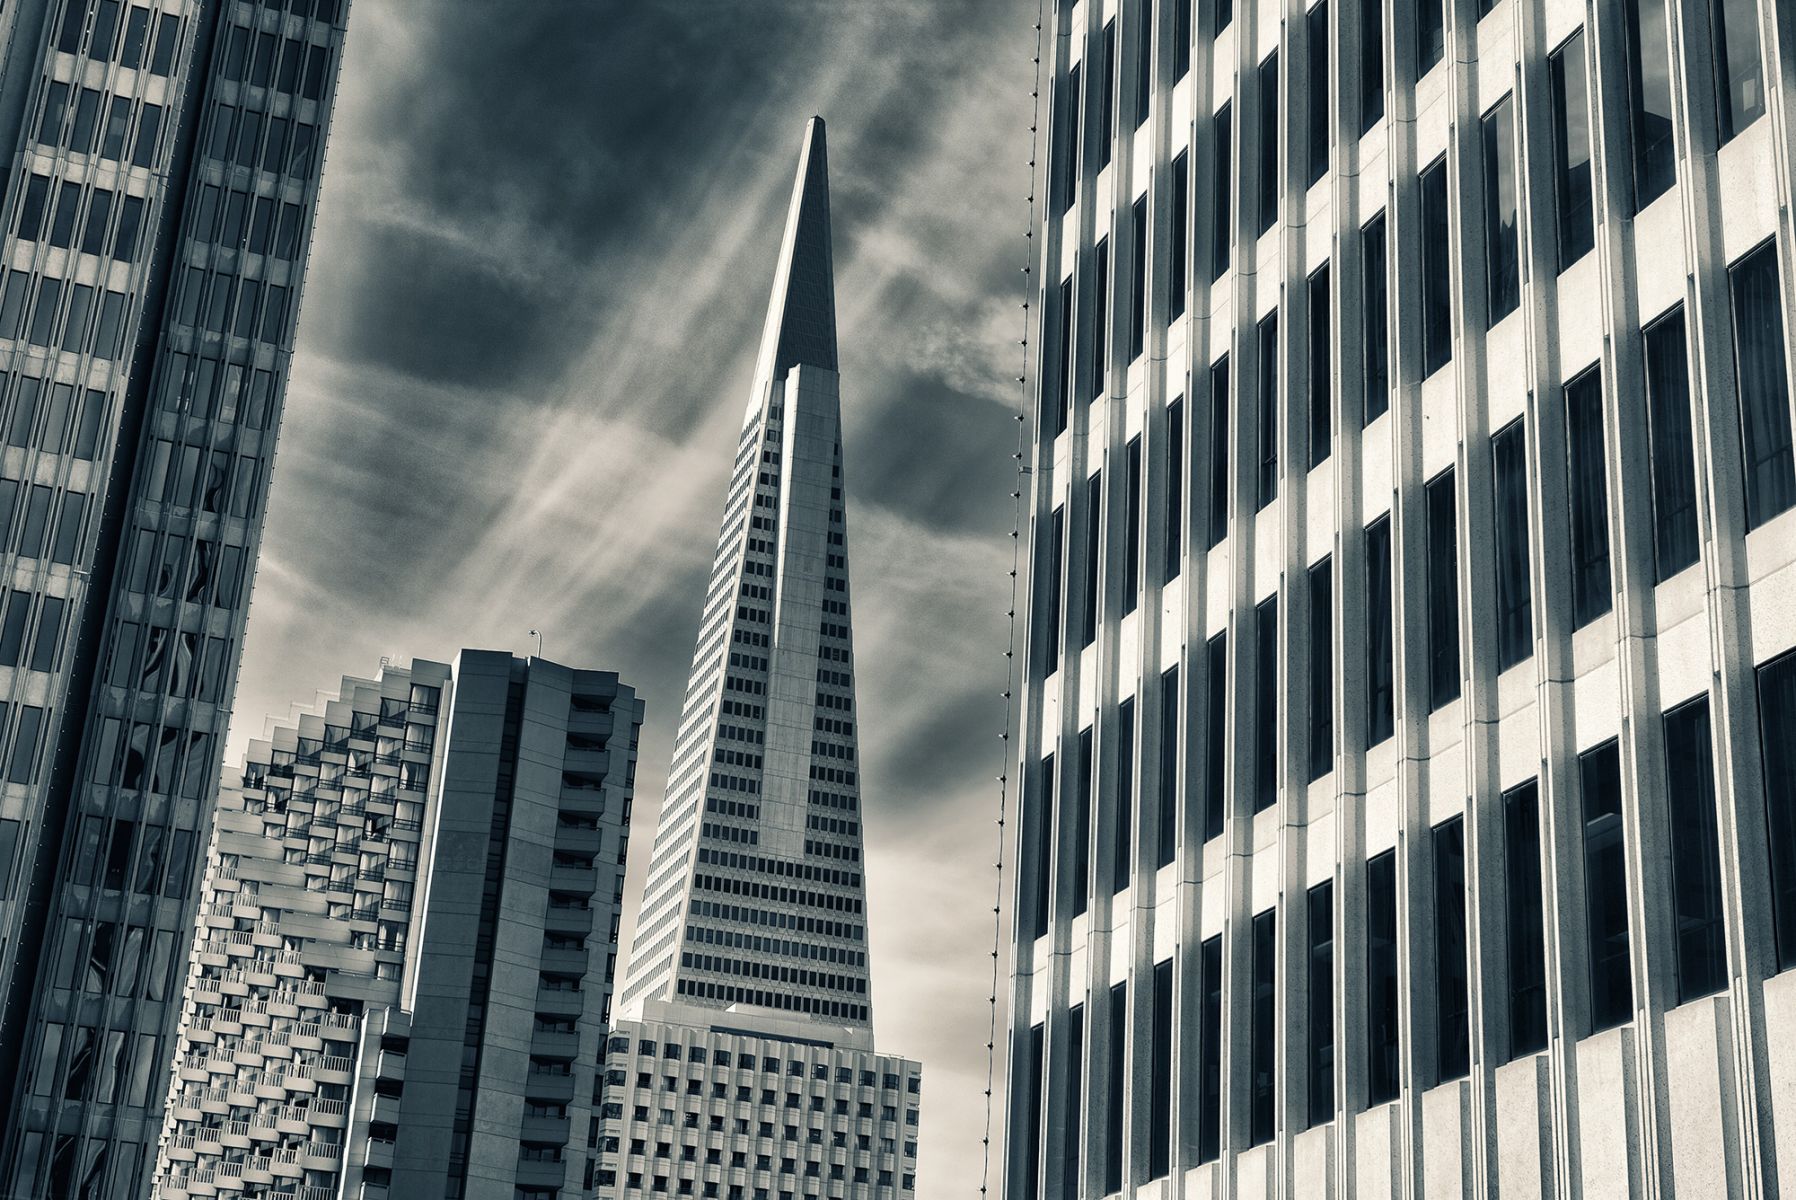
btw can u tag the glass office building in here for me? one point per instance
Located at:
(162, 173)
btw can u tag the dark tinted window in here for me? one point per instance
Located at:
(1764, 385)
(1180, 253)
(1262, 1056)
(1222, 233)
(1437, 272)
(1268, 409)
(1265, 742)
(1587, 491)
(1094, 530)
(1371, 63)
(1501, 248)
(1268, 142)
(1571, 151)
(1739, 73)
(1431, 33)
(1215, 735)
(1159, 1095)
(1322, 669)
(1132, 527)
(1695, 851)
(1383, 1066)
(1380, 656)
(1777, 741)
(1443, 590)
(1675, 544)
(1316, 45)
(1116, 1087)
(1122, 864)
(1321, 369)
(1526, 927)
(1209, 1020)
(1175, 489)
(1452, 1004)
(1649, 98)
(1321, 1003)
(1219, 450)
(1515, 607)
(1375, 315)
(1078, 864)
(1138, 280)
(1169, 764)
(1605, 887)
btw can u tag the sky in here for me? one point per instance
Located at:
(543, 254)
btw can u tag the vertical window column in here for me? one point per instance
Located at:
(1079, 863)
(1209, 1038)
(1375, 352)
(1122, 866)
(1216, 671)
(1262, 1048)
(1268, 143)
(1515, 604)
(1586, 465)
(1222, 233)
(1671, 447)
(1159, 1096)
(1526, 920)
(1175, 490)
(1219, 450)
(1763, 383)
(1606, 887)
(1383, 1065)
(1320, 129)
(1322, 672)
(1502, 247)
(1649, 99)
(1437, 273)
(1777, 748)
(1381, 682)
(1572, 193)
(1321, 368)
(1321, 1003)
(1269, 409)
(1265, 765)
(1094, 531)
(1452, 991)
(1441, 503)
(1169, 765)
(1695, 852)
(1116, 1088)
(1132, 527)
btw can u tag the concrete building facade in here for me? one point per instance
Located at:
(163, 159)
(750, 956)
(1407, 806)
(407, 940)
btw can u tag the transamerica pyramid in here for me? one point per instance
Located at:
(742, 1059)
(755, 893)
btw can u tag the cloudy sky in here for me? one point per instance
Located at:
(543, 254)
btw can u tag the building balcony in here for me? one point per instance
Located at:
(378, 1154)
(558, 1003)
(541, 1173)
(567, 878)
(539, 1085)
(578, 839)
(564, 961)
(552, 1044)
(551, 1131)
(577, 921)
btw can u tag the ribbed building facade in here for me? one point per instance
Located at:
(406, 939)
(743, 1064)
(1408, 805)
(162, 165)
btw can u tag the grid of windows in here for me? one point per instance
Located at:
(1541, 429)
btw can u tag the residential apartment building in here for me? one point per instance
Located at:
(406, 941)
(162, 171)
(743, 1064)
(1408, 805)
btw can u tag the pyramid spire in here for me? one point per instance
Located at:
(756, 896)
(801, 315)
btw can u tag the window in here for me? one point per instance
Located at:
(1501, 247)
(1262, 1116)
(1316, 44)
(1322, 1003)
(1169, 765)
(1094, 530)
(1739, 74)
(1375, 326)
(1132, 528)
(1180, 253)
(1209, 1083)
(1100, 325)
(1431, 33)
(1515, 613)
(1571, 151)
(1066, 144)
(1079, 864)
(1267, 359)
(1322, 669)
(1443, 590)
(1221, 13)
(24, 744)
(1219, 450)
(1216, 674)
(1043, 819)
(1649, 99)
(1764, 385)
(1268, 142)
(1437, 271)
(1075, 1089)
(1222, 234)
(1452, 994)
(1055, 566)
(1777, 742)
(1383, 1068)
(1138, 278)
(1695, 852)
(1526, 927)
(1116, 1087)
(1380, 639)
(1265, 740)
(1321, 369)
(1175, 489)
(1125, 795)
(1371, 64)
(1588, 494)
(1159, 1129)
(1144, 60)
(1181, 38)
(1106, 112)
(1063, 392)
(1605, 887)
(1672, 446)
(1032, 1121)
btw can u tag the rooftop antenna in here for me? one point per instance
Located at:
(537, 634)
